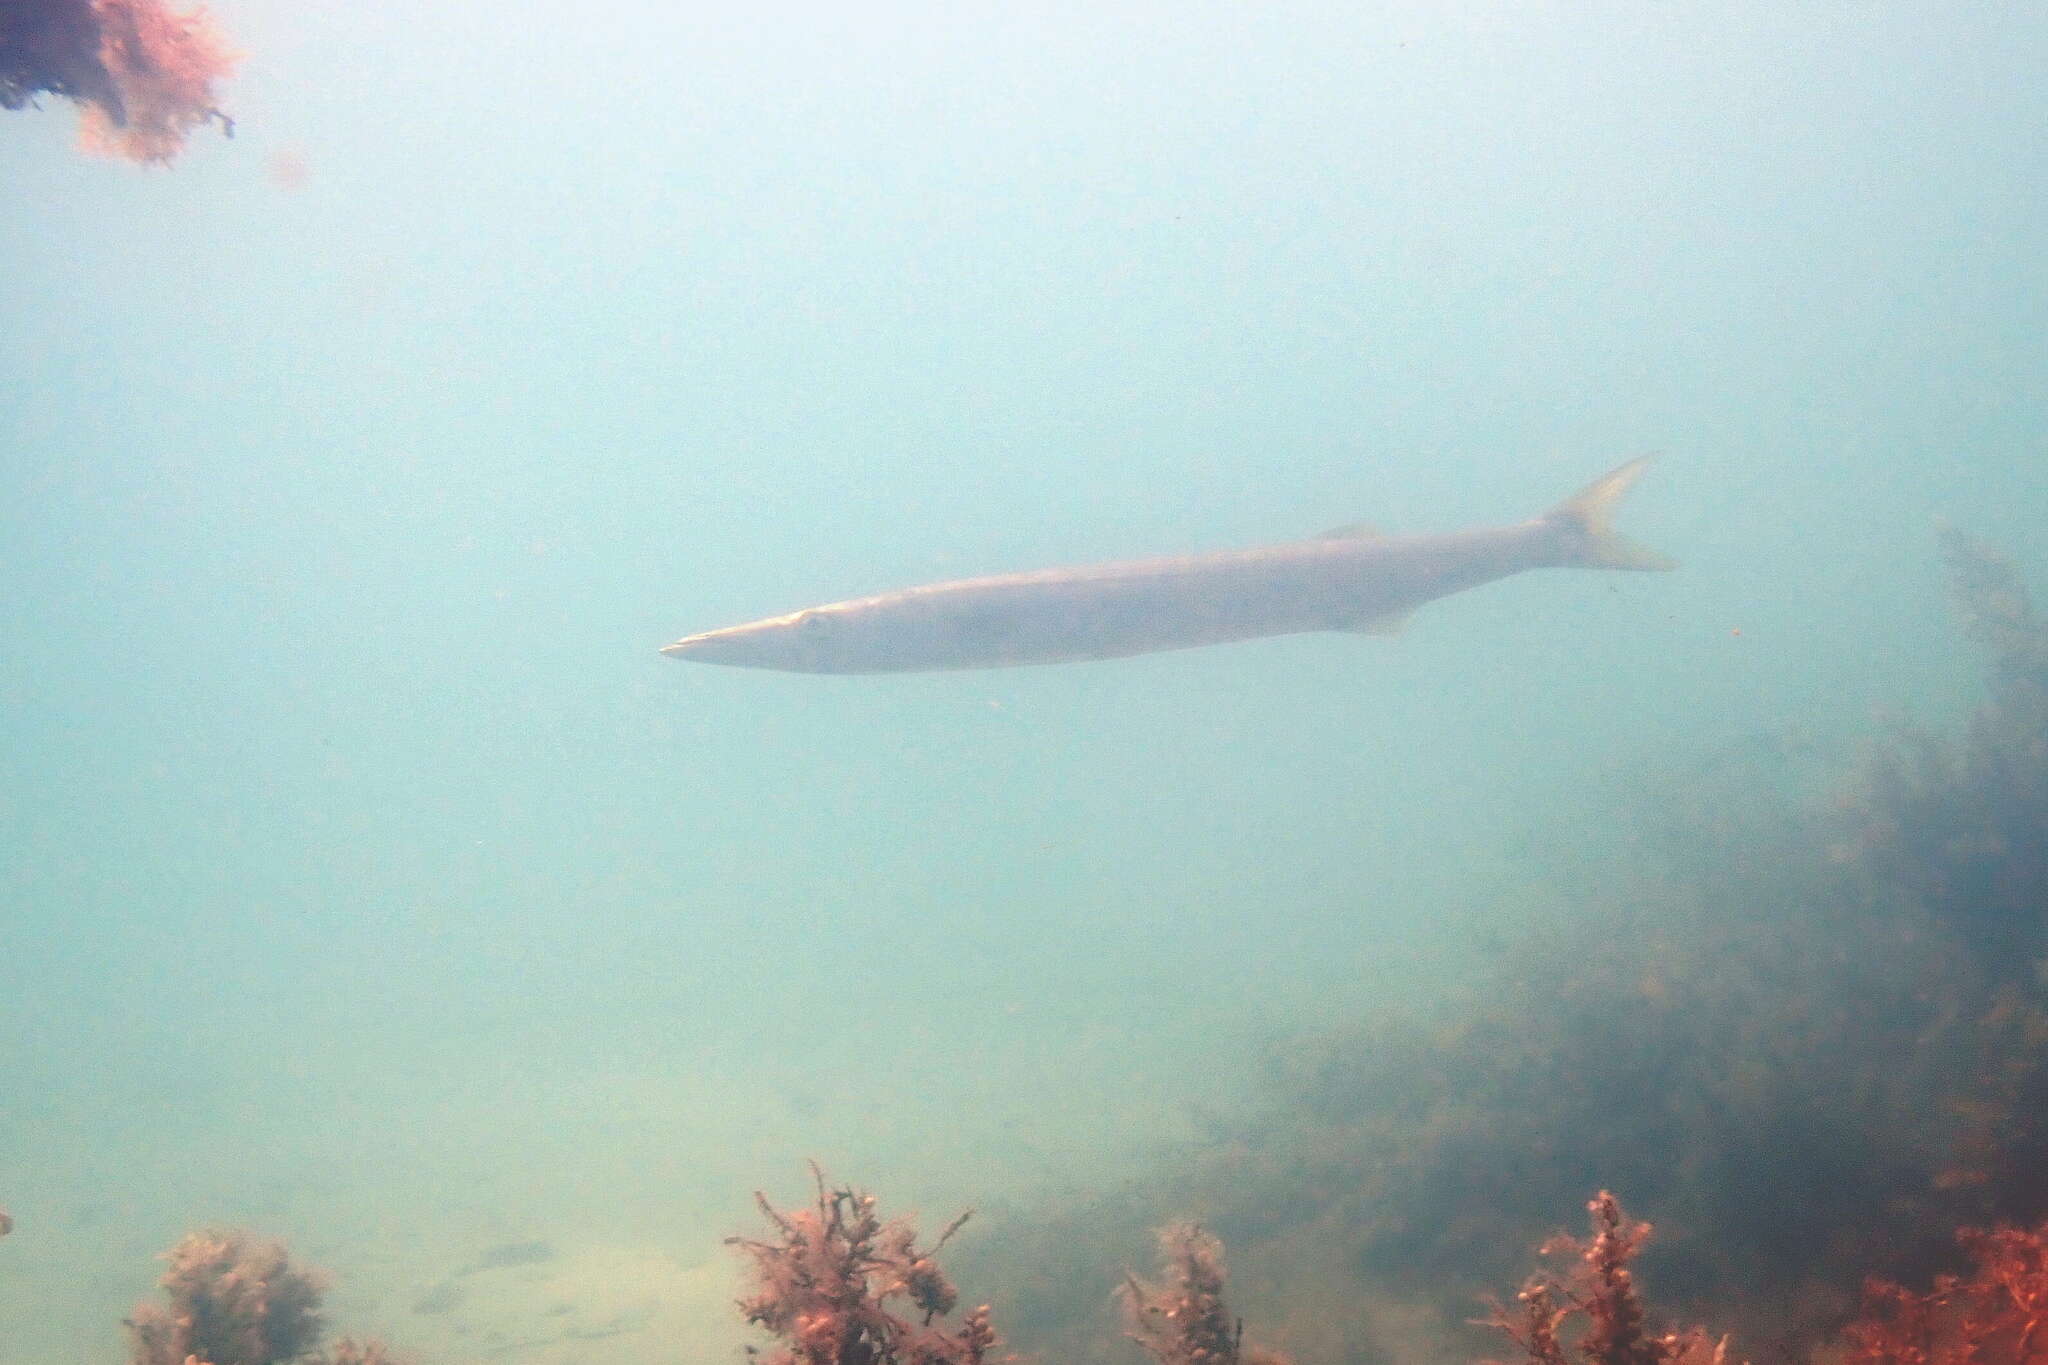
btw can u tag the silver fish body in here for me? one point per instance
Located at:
(1345, 581)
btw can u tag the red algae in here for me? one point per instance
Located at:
(1181, 1319)
(144, 73)
(1591, 1311)
(828, 1285)
(1994, 1315)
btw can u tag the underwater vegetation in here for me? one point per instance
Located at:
(1591, 1311)
(1594, 1314)
(835, 1284)
(829, 1283)
(1992, 1316)
(823, 1287)
(1956, 826)
(143, 74)
(1180, 1318)
(236, 1300)
(1810, 1030)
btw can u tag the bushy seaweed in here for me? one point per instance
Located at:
(1589, 1311)
(1181, 1318)
(1996, 1314)
(234, 1299)
(829, 1283)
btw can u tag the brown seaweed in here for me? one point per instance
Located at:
(235, 1299)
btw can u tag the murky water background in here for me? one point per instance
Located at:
(366, 877)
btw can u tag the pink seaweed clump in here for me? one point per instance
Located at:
(234, 1300)
(144, 74)
(826, 1284)
(1181, 1319)
(1591, 1312)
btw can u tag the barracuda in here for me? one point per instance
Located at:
(1346, 580)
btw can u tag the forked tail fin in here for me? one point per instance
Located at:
(1585, 523)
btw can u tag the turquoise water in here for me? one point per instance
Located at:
(365, 875)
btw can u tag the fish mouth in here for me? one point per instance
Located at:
(738, 646)
(691, 644)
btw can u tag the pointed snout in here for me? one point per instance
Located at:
(757, 644)
(707, 646)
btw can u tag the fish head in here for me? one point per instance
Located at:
(807, 641)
